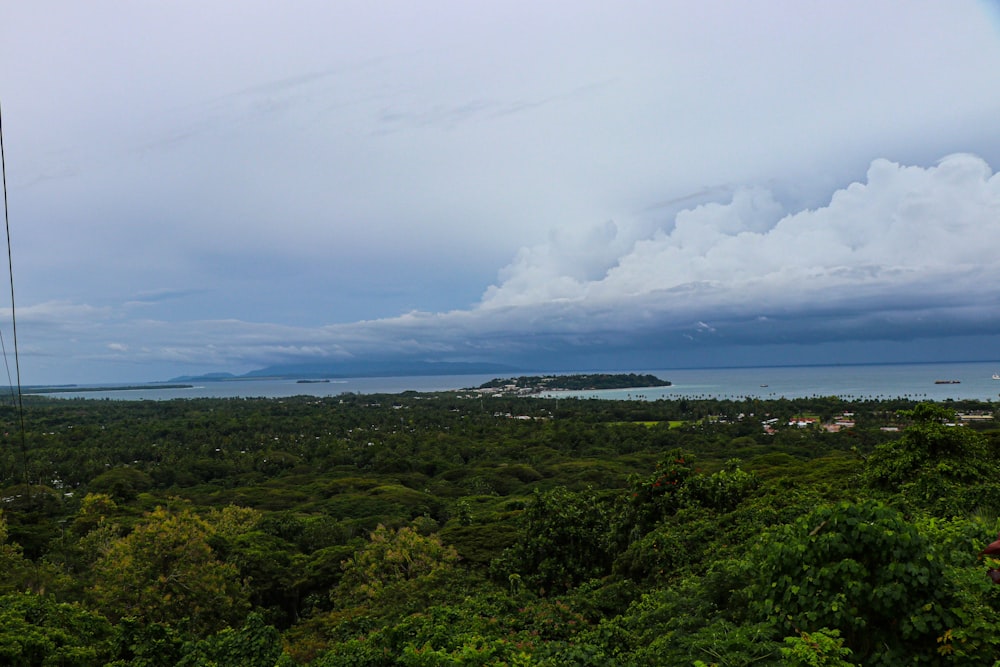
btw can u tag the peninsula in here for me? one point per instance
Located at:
(536, 384)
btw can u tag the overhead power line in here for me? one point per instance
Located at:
(13, 317)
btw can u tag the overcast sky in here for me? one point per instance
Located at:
(212, 185)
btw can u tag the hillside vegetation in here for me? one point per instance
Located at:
(453, 529)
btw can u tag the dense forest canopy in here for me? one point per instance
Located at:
(449, 529)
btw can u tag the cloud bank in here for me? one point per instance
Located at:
(903, 229)
(909, 253)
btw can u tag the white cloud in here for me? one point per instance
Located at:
(903, 228)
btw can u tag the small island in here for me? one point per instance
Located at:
(536, 384)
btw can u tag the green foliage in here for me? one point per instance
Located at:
(273, 566)
(936, 466)
(972, 637)
(354, 653)
(95, 509)
(123, 483)
(693, 618)
(164, 571)
(489, 627)
(393, 557)
(661, 494)
(724, 643)
(929, 413)
(566, 539)
(863, 570)
(254, 645)
(232, 521)
(11, 561)
(143, 644)
(822, 648)
(20, 574)
(674, 518)
(480, 543)
(677, 484)
(336, 525)
(679, 542)
(32, 514)
(35, 630)
(724, 490)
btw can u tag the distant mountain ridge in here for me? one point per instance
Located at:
(320, 370)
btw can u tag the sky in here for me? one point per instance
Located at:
(205, 186)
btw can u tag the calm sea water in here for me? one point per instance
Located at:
(916, 381)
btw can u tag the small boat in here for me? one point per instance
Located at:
(996, 376)
(947, 381)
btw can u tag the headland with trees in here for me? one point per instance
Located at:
(536, 384)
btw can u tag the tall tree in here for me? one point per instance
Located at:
(164, 571)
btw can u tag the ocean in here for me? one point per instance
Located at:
(915, 381)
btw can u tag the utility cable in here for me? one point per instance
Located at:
(6, 365)
(13, 318)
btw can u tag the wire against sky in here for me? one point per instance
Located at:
(10, 265)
